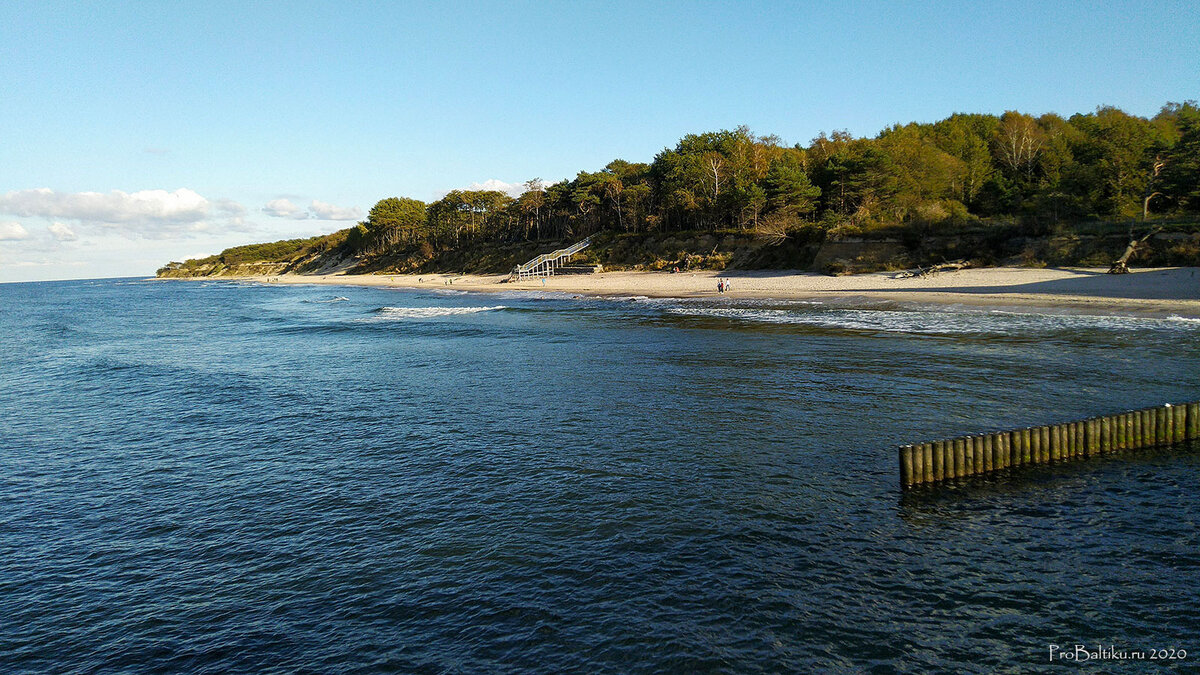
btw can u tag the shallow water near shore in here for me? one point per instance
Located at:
(231, 477)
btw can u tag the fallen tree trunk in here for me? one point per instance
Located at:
(1121, 266)
(934, 269)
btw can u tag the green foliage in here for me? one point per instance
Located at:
(392, 221)
(910, 181)
(1180, 179)
(278, 251)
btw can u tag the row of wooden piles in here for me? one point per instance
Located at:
(937, 461)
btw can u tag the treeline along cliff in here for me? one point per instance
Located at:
(1014, 187)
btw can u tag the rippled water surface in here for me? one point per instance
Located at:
(219, 477)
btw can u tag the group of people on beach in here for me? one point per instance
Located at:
(722, 286)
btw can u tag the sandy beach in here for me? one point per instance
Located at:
(1158, 290)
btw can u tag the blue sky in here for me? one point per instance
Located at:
(140, 132)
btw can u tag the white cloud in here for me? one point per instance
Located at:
(513, 190)
(284, 208)
(229, 207)
(61, 232)
(147, 213)
(510, 189)
(11, 230)
(146, 206)
(322, 211)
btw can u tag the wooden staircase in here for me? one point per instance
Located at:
(545, 264)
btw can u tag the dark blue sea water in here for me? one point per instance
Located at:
(214, 477)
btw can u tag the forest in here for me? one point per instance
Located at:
(965, 171)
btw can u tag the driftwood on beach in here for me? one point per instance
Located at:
(1121, 265)
(933, 269)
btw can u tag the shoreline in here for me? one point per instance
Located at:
(1170, 290)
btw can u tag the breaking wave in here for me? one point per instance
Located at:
(940, 323)
(406, 313)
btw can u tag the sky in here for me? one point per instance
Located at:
(136, 133)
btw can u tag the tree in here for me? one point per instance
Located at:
(788, 185)
(1116, 153)
(530, 204)
(1018, 142)
(392, 221)
(1180, 181)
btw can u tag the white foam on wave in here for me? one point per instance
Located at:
(941, 323)
(328, 300)
(408, 313)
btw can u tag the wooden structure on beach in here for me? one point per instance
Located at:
(545, 264)
(939, 461)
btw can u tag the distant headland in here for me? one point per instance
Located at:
(1012, 189)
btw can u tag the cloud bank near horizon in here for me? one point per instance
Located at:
(513, 190)
(317, 210)
(146, 213)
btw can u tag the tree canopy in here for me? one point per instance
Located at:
(965, 168)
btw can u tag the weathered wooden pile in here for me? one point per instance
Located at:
(938, 461)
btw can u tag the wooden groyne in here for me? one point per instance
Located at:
(938, 461)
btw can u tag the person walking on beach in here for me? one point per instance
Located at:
(720, 286)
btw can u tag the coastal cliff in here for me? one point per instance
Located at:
(998, 245)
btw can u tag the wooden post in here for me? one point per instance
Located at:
(978, 466)
(966, 467)
(1027, 454)
(989, 452)
(960, 455)
(1106, 435)
(1006, 459)
(1121, 430)
(1180, 425)
(1045, 444)
(927, 462)
(1058, 441)
(1160, 425)
(1147, 427)
(1168, 424)
(1193, 421)
(939, 461)
(1140, 429)
(906, 465)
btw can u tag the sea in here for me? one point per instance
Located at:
(228, 477)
